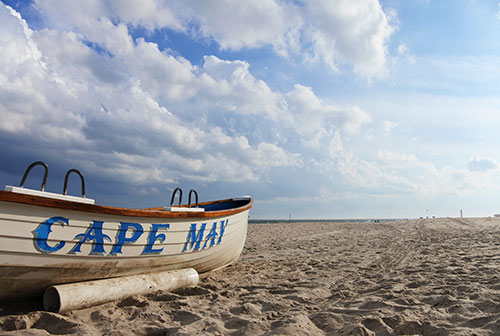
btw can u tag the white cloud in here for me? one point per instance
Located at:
(352, 32)
(120, 108)
(68, 98)
(253, 24)
(387, 127)
(346, 32)
(481, 164)
(371, 175)
(91, 88)
(314, 117)
(397, 159)
(71, 14)
(394, 173)
(150, 14)
(16, 51)
(230, 84)
(404, 51)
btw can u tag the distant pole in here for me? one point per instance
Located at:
(461, 215)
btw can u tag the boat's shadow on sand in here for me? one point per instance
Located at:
(21, 306)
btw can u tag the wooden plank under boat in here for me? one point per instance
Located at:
(48, 239)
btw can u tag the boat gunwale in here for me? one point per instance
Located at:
(7, 196)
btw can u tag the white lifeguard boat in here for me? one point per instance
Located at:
(48, 239)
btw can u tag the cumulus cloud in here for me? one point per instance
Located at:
(313, 116)
(253, 24)
(233, 87)
(353, 32)
(88, 92)
(66, 97)
(70, 15)
(93, 90)
(330, 32)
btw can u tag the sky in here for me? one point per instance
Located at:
(318, 109)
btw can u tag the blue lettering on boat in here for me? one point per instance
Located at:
(223, 225)
(41, 234)
(212, 235)
(127, 235)
(153, 237)
(121, 236)
(195, 237)
(93, 234)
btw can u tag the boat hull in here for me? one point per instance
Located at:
(43, 245)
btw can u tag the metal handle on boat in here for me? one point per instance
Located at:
(65, 189)
(173, 196)
(189, 199)
(36, 163)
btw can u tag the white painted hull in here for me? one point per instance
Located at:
(46, 245)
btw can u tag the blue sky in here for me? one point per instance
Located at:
(318, 109)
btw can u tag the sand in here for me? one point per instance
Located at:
(417, 277)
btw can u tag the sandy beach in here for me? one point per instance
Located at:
(416, 277)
